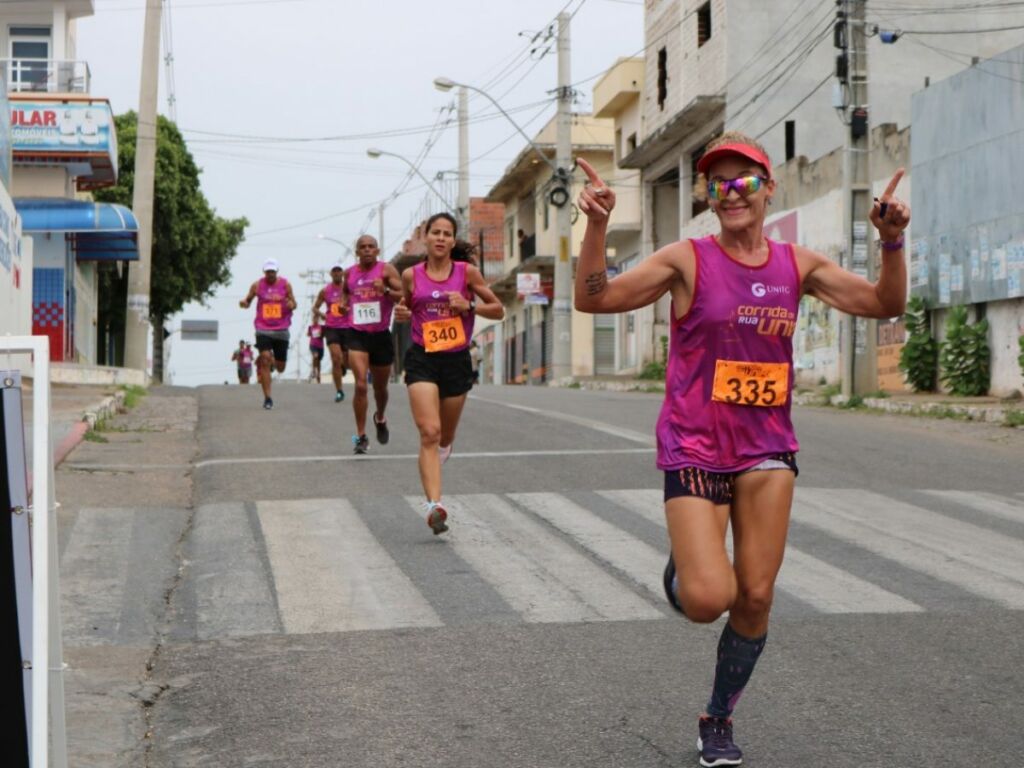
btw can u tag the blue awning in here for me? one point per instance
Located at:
(96, 231)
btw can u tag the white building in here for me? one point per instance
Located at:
(64, 145)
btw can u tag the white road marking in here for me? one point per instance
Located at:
(805, 577)
(597, 426)
(97, 554)
(637, 560)
(541, 576)
(991, 503)
(331, 573)
(973, 558)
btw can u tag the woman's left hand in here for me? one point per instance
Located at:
(889, 214)
(458, 302)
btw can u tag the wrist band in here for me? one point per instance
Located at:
(894, 245)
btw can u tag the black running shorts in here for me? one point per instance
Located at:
(279, 347)
(379, 345)
(451, 371)
(717, 487)
(336, 336)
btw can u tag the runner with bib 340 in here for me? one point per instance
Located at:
(725, 439)
(439, 297)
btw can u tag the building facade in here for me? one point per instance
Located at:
(768, 69)
(63, 145)
(521, 349)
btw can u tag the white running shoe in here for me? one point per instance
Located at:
(436, 517)
(445, 451)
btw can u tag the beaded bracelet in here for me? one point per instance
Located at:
(894, 245)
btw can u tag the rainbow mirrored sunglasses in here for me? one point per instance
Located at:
(745, 185)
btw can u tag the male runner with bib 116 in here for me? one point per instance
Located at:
(369, 288)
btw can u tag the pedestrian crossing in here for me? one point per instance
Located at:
(305, 566)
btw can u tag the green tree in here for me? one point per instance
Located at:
(192, 246)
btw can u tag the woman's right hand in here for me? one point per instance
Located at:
(596, 200)
(402, 313)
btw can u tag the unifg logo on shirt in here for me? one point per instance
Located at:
(435, 295)
(760, 289)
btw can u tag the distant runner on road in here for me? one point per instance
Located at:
(242, 357)
(440, 299)
(370, 288)
(336, 324)
(315, 332)
(274, 306)
(725, 438)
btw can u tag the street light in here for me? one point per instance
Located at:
(445, 84)
(346, 246)
(561, 309)
(375, 153)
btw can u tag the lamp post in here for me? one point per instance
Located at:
(375, 153)
(559, 196)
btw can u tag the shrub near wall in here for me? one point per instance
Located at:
(965, 356)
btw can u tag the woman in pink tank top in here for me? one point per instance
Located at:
(441, 296)
(725, 439)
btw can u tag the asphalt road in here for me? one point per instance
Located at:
(309, 617)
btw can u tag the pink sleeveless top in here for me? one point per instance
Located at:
(730, 363)
(369, 307)
(272, 311)
(316, 336)
(430, 301)
(334, 296)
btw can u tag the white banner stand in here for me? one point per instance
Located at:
(47, 733)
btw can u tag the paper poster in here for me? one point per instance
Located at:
(975, 264)
(957, 278)
(999, 264)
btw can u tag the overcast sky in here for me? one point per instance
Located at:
(308, 69)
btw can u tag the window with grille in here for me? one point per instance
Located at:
(704, 23)
(662, 77)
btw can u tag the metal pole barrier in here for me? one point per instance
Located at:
(47, 685)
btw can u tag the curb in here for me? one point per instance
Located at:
(107, 407)
(990, 414)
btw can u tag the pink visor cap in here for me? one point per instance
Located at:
(743, 150)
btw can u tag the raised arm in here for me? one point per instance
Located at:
(847, 292)
(489, 306)
(638, 287)
(244, 303)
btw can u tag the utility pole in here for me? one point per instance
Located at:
(136, 334)
(858, 372)
(561, 358)
(463, 204)
(380, 227)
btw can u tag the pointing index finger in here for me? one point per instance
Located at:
(588, 169)
(893, 183)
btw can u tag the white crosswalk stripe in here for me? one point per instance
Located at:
(332, 575)
(636, 560)
(325, 565)
(805, 577)
(541, 577)
(975, 559)
(990, 503)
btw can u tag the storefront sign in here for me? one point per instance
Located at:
(72, 127)
(527, 283)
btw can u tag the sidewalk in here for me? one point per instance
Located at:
(74, 409)
(993, 410)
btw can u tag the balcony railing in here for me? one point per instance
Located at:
(46, 76)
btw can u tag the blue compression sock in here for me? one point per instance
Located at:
(737, 656)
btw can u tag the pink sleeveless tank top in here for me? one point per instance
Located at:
(730, 363)
(370, 308)
(272, 311)
(334, 296)
(430, 303)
